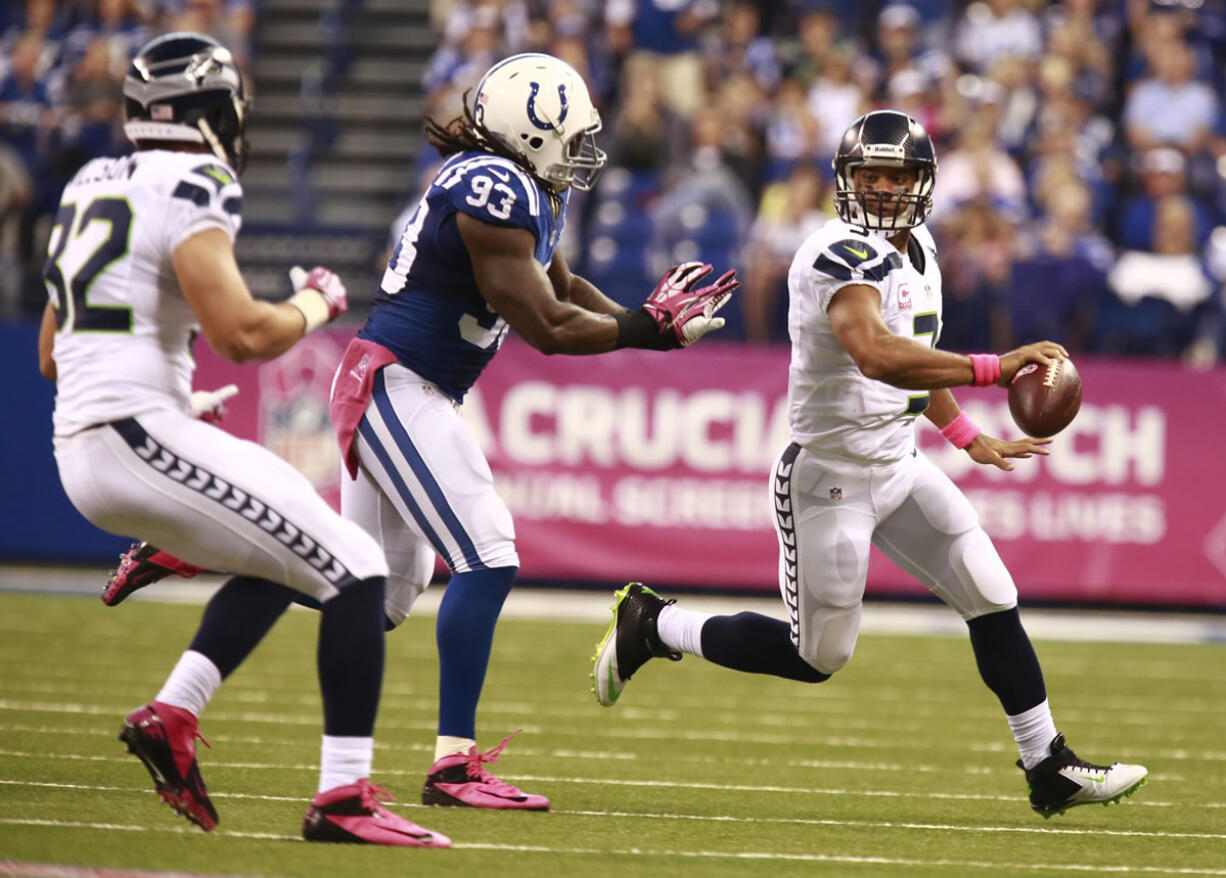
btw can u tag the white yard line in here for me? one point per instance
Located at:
(656, 784)
(905, 862)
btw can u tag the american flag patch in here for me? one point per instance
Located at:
(162, 112)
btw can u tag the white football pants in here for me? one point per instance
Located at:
(215, 501)
(424, 488)
(828, 512)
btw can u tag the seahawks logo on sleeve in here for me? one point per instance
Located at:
(209, 181)
(855, 259)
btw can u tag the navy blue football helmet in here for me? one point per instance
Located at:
(893, 139)
(185, 87)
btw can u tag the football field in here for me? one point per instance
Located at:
(901, 765)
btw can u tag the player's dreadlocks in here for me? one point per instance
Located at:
(464, 133)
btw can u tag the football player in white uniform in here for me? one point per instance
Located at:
(140, 259)
(865, 315)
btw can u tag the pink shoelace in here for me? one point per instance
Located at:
(476, 772)
(372, 796)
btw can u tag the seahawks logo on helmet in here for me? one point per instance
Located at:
(185, 88)
(892, 139)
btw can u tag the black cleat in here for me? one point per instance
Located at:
(631, 640)
(1062, 781)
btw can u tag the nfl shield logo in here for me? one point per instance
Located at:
(836, 494)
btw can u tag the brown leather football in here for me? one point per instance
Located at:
(1044, 399)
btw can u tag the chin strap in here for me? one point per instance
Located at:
(208, 137)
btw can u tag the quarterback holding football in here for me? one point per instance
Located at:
(864, 320)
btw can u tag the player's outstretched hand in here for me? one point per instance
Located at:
(318, 294)
(1042, 352)
(990, 450)
(210, 405)
(688, 310)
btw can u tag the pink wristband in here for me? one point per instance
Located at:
(987, 369)
(961, 431)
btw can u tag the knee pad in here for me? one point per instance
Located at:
(828, 637)
(983, 583)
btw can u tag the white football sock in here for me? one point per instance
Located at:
(194, 680)
(446, 745)
(1034, 730)
(344, 760)
(681, 629)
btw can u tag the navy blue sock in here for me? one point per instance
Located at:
(236, 619)
(350, 658)
(1007, 661)
(465, 632)
(757, 644)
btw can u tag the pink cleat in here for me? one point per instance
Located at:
(352, 814)
(164, 739)
(459, 779)
(143, 565)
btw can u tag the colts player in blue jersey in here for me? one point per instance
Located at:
(477, 256)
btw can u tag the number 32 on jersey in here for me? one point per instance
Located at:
(84, 244)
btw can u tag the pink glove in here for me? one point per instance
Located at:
(210, 405)
(318, 294)
(689, 312)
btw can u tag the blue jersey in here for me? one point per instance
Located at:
(429, 311)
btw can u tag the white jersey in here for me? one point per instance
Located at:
(123, 328)
(833, 409)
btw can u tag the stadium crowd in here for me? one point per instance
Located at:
(1082, 144)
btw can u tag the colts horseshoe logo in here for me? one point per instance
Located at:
(545, 126)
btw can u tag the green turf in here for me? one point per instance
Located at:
(901, 765)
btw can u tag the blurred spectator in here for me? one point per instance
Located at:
(16, 192)
(979, 170)
(453, 69)
(26, 114)
(791, 132)
(1163, 172)
(900, 55)
(835, 99)
(1170, 107)
(976, 248)
(706, 210)
(1158, 297)
(95, 106)
(644, 135)
(1060, 272)
(790, 211)
(741, 48)
(667, 29)
(120, 26)
(995, 28)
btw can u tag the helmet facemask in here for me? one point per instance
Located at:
(884, 210)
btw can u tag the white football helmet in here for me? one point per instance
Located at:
(539, 107)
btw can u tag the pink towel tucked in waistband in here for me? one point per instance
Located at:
(351, 391)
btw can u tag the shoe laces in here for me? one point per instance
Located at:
(373, 797)
(476, 772)
(1069, 759)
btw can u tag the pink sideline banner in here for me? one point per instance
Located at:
(654, 466)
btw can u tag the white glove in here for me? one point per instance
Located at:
(318, 294)
(210, 405)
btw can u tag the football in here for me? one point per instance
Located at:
(1044, 399)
